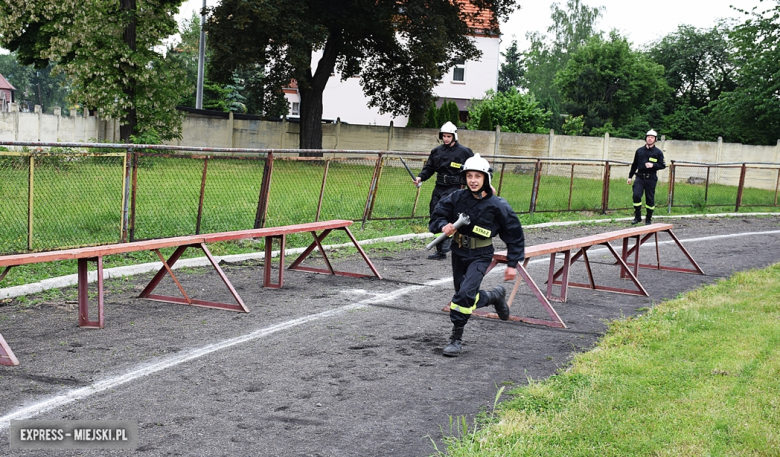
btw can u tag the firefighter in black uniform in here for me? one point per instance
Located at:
(472, 247)
(647, 161)
(446, 161)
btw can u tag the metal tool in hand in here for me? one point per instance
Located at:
(463, 219)
(418, 184)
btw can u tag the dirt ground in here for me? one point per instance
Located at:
(327, 365)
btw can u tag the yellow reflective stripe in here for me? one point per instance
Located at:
(463, 309)
(638, 204)
(481, 231)
(650, 207)
(455, 165)
(653, 159)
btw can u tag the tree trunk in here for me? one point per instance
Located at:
(311, 95)
(311, 120)
(129, 121)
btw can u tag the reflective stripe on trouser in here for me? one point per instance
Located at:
(467, 274)
(644, 186)
(463, 309)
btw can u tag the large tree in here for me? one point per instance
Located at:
(511, 71)
(399, 48)
(605, 81)
(697, 62)
(107, 48)
(548, 54)
(751, 112)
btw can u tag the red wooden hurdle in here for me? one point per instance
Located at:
(560, 277)
(95, 254)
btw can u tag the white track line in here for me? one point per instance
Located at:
(73, 395)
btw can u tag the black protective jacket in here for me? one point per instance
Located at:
(446, 162)
(644, 155)
(489, 216)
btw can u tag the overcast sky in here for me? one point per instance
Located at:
(639, 21)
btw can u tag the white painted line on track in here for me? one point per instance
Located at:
(71, 396)
(67, 397)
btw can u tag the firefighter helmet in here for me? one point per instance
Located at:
(477, 163)
(449, 127)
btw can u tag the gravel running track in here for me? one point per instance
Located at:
(326, 366)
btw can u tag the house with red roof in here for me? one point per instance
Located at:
(467, 80)
(6, 94)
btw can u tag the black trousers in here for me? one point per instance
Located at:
(645, 186)
(467, 275)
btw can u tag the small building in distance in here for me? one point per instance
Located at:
(6, 94)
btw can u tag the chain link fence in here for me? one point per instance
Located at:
(62, 195)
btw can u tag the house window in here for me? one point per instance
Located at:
(296, 109)
(459, 71)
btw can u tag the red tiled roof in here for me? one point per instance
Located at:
(481, 22)
(4, 84)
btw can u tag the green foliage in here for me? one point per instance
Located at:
(750, 113)
(35, 87)
(432, 117)
(513, 111)
(399, 50)
(107, 52)
(436, 117)
(573, 126)
(246, 92)
(485, 119)
(697, 62)
(449, 112)
(570, 29)
(607, 82)
(511, 70)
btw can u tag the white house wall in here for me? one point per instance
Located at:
(345, 99)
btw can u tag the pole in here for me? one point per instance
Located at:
(201, 60)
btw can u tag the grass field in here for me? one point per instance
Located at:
(694, 376)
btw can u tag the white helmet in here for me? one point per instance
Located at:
(477, 163)
(652, 133)
(449, 127)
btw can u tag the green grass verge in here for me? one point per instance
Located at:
(694, 376)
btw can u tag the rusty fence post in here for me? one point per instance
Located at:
(605, 188)
(322, 190)
(501, 178)
(127, 176)
(670, 202)
(202, 195)
(133, 198)
(30, 201)
(535, 190)
(372, 189)
(265, 191)
(742, 173)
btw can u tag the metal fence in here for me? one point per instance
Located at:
(60, 195)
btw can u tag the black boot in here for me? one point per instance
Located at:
(497, 298)
(649, 217)
(637, 215)
(439, 254)
(453, 349)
